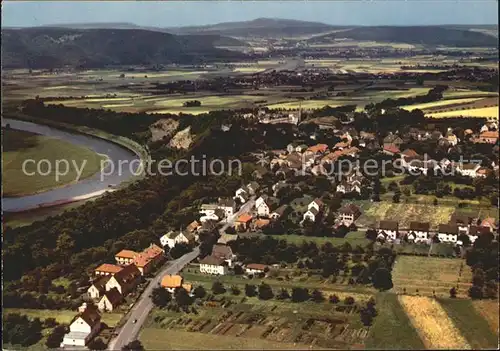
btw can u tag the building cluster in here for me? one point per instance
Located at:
(452, 232)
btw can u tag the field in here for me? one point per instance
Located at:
(471, 324)
(436, 330)
(354, 238)
(439, 103)
(19, 146)
(431, 274)
(402, 212)
(392, 328)
(230, 322)
(485, 112)
(489, 311)
(62, 316)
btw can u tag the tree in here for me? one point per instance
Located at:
(199, 292)
(300, 294)
(250, 290)
(453, 292)
(283, 294)
(317, 296)
(218, 288)
(366, 317)
(182, 297)
(238, 270)
(50, 322)
(160, 297)
(235, 290)
(55, 337)
(475, 292)
(371, 234)
(97, 344)
(396, 198)
(334, 299)
(135, 345)
(491, 289)
(349, 300)
(265, 292)
(382, 279)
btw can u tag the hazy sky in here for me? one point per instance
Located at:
(183, 13)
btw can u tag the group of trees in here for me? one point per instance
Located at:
(20, 330)
(482, 257)
(369, 266)
(162, 298)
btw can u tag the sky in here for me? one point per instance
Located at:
(188, 13)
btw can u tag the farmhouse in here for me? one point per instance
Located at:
(468, 169)
(193, 227)
(83, 328)
(279, 212)
(419, 232)
(348, 214)
(388, 230)
(243, 222)
(148, 259)
(107, 269)
(110, 300)
(448, 233)
(173, 237)
(213, 265)
(476, 231)
(256, 268)
(224, 252)
(265, 205)
(393, 139)
(228, 206)
(351, 183)
(98, 287)
(391, 149)
(125, 280)
(487, 137)
(125, 257)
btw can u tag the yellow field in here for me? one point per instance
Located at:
(489, 310)
(217, 101)
(467, 93)
(307, 104)
(478, 112)
(249, 69)
(432, 323)
(439, 103)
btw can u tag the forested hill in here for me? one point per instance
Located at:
(95, 48)
(426, 35)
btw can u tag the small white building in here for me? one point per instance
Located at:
(255, 268)
(468, 169)
(448, 233)
(173, 237)
(213, 265)
(388, 230)
(419, 232)
(228, 206)
(83, 328)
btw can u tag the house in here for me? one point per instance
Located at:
(291, 147)
(83, 328)
(107, 269)
(348, 214)
(213, 265)
(228, 206)
(468, 169)
(149, 258)
(301, 148)
(310, 215)
(487, 137)
(483, 172)
(294, 160)
(319, 148)
(388, 230)
(391, 149)
(352, 182)
(171, 282)
(98, 287)
(279, 212)
(409, 153)
(463, 222)
(224, 252)
(266, 205)
(260, 223)
(489, 222)
(125, 280)
(242, 195)
(174, 237)
(110, 300)
(253, 187)
(393, 139)
(448, 233)
(419, 231)
(193, 227)
(125, 257)
(243, 222)
(316, 203)
(256, 268)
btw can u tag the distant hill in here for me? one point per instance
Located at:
(261, 27)
(426, 35)
(46, 47)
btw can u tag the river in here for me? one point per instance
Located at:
(86, 188)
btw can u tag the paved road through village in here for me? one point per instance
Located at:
(130, 330)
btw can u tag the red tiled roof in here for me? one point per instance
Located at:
(244, 218)
(391, 148)
(126, 254)
(108, 268)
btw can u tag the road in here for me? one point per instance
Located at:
(130, 330)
